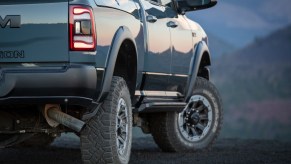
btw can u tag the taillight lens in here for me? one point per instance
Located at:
(82, 29)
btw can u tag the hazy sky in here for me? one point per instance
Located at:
(239, 22)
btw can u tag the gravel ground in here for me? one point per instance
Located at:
(66, 150)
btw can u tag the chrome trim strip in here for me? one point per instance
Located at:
(158, 93)
(164, 74)
(100, 69)
(155, 73)
(179, 75)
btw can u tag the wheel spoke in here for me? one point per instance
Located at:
(122, 115)
(187, 130)
(123, 125)
(200, 108)
(203, 117)
(121, 140)
(123, 104)
(194, 132)
(200, 126)
(194, 104)
(123, 133)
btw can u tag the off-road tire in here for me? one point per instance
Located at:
(164, 126)
(98, 139)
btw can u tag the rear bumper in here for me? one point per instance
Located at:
(64, 84)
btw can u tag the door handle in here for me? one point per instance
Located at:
(172, 24)
(151, 18)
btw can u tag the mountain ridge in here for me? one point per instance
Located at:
(255, 83)
(219, 47)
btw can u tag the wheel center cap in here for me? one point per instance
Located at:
(195, 118)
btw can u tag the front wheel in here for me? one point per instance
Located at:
(107, 136)
(196, 127)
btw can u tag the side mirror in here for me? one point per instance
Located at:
(193, 5)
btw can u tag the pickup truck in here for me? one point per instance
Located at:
(99, 67)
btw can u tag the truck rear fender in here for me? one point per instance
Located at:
(123, 34)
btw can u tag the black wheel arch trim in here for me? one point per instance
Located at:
(200, 50)
(122, 34)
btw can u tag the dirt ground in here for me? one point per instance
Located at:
(65, 150)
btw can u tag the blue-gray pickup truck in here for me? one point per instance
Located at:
(99, 67)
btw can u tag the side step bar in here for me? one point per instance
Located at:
(155, 107)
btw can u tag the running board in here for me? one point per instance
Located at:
(158, 107)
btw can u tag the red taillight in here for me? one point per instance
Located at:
(82, 29)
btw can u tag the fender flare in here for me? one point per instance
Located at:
(200, 50)
(123, 33)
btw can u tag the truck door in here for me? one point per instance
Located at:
(158, 46)
(181, 45)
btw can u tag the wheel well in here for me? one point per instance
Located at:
(126, 65)
(203, 70)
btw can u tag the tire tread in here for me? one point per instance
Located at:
(97, 142)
